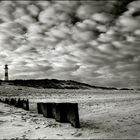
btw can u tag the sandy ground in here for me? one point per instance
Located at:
(103, 114)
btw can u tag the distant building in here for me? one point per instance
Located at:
(6, 72)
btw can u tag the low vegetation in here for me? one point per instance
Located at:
(55, 84)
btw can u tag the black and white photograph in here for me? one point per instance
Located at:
(69, 69)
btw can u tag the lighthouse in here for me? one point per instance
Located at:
(6, 72)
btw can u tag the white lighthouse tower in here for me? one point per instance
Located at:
(6, 72)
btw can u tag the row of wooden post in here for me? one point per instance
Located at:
(61, 112)
(21, 103)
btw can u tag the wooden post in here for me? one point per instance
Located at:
(73, 114)
(12, 101)
(47, 110)
(40, 108)
(7, 100)
(19, 103)
(25, 104)
(61, 112)
(54, 110)
(2, 100)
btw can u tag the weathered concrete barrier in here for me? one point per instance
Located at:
(25, 104)
(62, 112)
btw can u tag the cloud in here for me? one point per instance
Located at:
(96, 42)
(13, 28)
(129, 23)
(33, 10)
(102, 17)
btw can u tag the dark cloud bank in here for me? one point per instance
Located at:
(96, 42)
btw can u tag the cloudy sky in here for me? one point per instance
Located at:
(96, 42)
